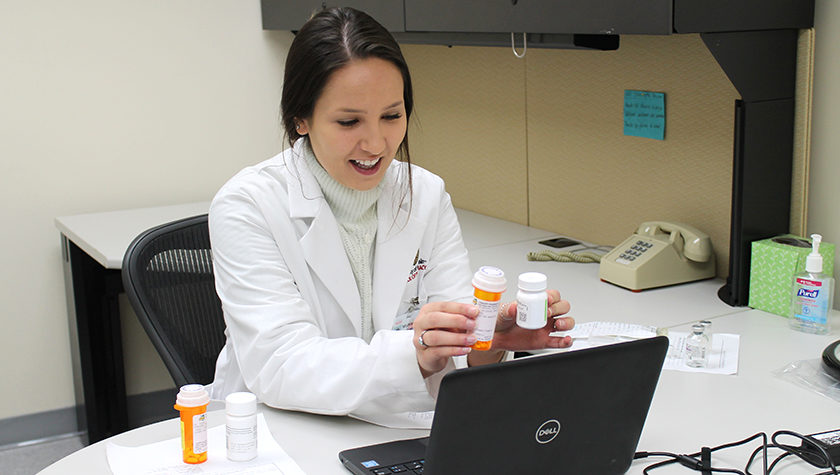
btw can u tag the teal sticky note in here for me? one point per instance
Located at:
(644, 114)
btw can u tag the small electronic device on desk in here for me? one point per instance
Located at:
(658, 254)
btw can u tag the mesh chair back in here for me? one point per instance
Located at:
(168, 276)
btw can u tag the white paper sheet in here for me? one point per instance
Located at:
(723, 354)
(611, 330)
(163, 458)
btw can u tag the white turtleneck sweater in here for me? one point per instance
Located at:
(355, 212)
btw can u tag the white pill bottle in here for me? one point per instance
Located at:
(241, 426)
(532, 301)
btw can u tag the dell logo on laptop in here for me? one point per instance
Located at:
(547, 431)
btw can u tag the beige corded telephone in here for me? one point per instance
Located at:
(658, 254)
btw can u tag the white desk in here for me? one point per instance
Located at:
(721, 408)
(106, 236)
(693, 410)
(689, 411)
(481, 232)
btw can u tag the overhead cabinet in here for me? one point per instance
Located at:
(291, 14)
(594, 17)
(540, 16)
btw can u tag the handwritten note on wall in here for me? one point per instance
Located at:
(644, 114)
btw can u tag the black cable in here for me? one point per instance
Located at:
(742, 442)
(814, 449)
(691, 463)
(705, 460)
(641, 455)
(646, 470)
(810, 452)
(779, 458)
(764, 447)
(690, 460)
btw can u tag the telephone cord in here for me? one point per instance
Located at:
(582, 257)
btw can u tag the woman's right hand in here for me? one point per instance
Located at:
(443, 330)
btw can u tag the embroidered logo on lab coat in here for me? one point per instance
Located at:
(418, 266)
(414, 297)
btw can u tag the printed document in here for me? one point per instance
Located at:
(722, 355)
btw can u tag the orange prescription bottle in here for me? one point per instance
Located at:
(192, 402)
(489, 283)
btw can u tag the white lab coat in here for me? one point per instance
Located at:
(291, 303)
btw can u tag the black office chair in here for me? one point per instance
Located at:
(168, 276)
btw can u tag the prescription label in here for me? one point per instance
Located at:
(486, 320)
(200, 433)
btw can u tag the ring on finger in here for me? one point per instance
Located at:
(420, 338)
(503, 311)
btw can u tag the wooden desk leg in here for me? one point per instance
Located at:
(96, 343)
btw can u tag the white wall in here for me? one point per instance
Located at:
(107, 105)
(824, 197)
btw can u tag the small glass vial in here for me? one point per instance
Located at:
(696, 347)
(241, 426)
(532, 301)
(489, 283)
(192, 402)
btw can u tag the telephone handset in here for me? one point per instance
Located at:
(659, 253)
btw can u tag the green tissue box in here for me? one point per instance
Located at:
(774, 263)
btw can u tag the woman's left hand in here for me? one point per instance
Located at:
(509, 336)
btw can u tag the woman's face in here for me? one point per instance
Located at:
(358, 123)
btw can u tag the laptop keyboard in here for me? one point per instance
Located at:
(404, 468)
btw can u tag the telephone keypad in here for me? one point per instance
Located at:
(635, 250)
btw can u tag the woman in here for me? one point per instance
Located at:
(343, 276)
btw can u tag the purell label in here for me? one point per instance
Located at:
(811, 304)
(808, 293)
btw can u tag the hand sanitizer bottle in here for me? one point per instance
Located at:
(813, 293)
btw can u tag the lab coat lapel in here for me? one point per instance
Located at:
(322, 246)
(398, 238)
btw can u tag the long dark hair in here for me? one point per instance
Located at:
(328, 41)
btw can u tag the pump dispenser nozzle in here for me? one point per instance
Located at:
(814, 261)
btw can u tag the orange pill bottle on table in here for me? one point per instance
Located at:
(192, 403)
(489, 284)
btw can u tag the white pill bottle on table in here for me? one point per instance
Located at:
(241, 426)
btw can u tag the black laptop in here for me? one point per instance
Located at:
(577, 412)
